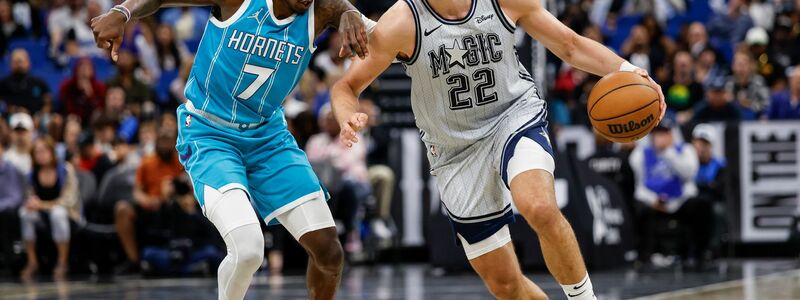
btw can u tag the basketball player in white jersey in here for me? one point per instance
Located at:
(484, 125)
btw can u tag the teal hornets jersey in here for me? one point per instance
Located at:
(247, 65)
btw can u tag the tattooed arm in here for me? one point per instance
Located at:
(109, 28)
(342, 15)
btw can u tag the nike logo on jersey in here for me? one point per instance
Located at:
(187, 155)
(428, 32)
(480, 19)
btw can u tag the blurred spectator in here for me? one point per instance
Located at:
(344, 172)
(763, 13)
(9, 28)
(664, 173)
(148, 132)
(70, 34)
(749, 90)
(708, 67)
(657, 38)
(29, 15)
(188, 242)
(709, 179)
(757, 40)
(785, 41)
(72, 134)
(116, 111)
(82, 93)
(381, 176)
(696, 39)
(152, 187)
(717, 105)
(136, 91)
(54, 194)
(20, 90)
(639, 51)
(328, 61)
(611, 161)
(170, 52)
(730, 27)
(682, 92)
(19, 153)
(88, 152)
(12, 193)
(178, 85)
(785, 104)
(104, 129)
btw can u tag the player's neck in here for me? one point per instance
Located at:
(281, 9)
(451, 9)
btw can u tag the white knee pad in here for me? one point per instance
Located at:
(497, 240)
(309, 216)
(529, 155)
(245, 254)
(229, 210)
(59, 223)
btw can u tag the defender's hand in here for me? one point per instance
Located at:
(108, 29)
(347, 133)
(643, 73)
(354, 35)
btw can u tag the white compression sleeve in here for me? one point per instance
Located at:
(236, 220)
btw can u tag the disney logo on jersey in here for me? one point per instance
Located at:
(470, 50)
(265, 47)
(480, 19)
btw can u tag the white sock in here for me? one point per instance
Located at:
(581, 290)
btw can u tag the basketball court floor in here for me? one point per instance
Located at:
(736, 279)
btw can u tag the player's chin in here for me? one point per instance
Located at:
(302, 6)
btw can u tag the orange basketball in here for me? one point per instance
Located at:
(623, 107)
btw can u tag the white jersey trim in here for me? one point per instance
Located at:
(239, 12)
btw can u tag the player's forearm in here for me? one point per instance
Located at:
(332, 10)
(344, 101)
(591, 56)
(143, 8)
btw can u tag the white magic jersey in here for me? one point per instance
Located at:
(466, 77)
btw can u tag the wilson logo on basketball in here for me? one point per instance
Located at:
(630, 126)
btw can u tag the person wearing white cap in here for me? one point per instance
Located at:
(19, 153)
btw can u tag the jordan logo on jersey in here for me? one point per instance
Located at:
(470, 50)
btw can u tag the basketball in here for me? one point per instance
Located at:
(623, 107)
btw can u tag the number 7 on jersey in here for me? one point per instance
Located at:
(262, 74)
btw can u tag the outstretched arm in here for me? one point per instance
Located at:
(109, 28)
(392, 37)
(581, 52)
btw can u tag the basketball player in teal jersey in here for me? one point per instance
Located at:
(232, 136)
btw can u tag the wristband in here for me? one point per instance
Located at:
(627, 66)
(124, 11)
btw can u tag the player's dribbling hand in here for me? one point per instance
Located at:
(108, 29)
(657, 87)
(354, 35)
(347, 133)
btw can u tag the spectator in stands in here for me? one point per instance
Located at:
(717, 106)
(189, 241)
(70, 32)
(344, 171)
(82, 93)
(611, 161)
(152, 187)
(657, 38)
(664, 173)
(785, 104)
(72, 133)
(639, 51)
(757, 40)
(708, 67)
(696, 39)
(682, 92)
(329, 61)
(709, 180)
(731, 27)
(19, 154)
(54, 194)
(9, 28)
(12, 193)
(381, 176)
(749, 90)
(136, 91)
(170, 52)
(22, 91)
(88, 152)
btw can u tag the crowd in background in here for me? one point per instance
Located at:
(88, 147)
